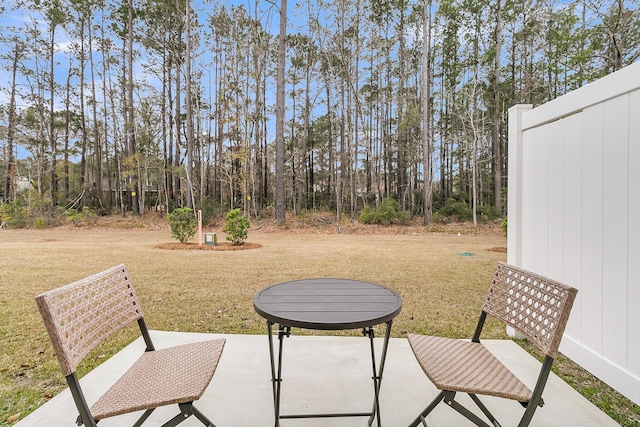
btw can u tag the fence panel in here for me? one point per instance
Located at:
(574, 215)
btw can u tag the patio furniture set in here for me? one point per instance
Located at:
(82, 315)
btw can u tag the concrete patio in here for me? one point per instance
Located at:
(322, 374)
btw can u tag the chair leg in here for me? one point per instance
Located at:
(484, 410)
(186, 410)
(203, 419)
(449, 400)
(536, 398)
(143, 418)
(176, 420)
(427, 410)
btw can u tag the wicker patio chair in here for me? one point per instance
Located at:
(81, 315)
(533, 305)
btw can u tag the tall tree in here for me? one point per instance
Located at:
(279, 202)
(15, 56)
(426, 112)
(619, 35)
(55, 16)
(189, 107)
(495, 108)
(132, 150)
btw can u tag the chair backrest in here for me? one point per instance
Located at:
(81, 315)
(533, 305)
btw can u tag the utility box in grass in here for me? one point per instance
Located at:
(211, 239)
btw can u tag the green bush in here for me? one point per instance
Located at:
(236, 226)
(79, 217)
(385, 214)
(403, 217)
(39, 222)
(14, 215)
(488, 212)
(456, 210)
(183, 224)
(504, 226)
(368, 215)
(209, 209)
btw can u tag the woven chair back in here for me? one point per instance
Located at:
(81, 315)
(533, 305)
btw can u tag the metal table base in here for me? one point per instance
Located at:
(276, 375)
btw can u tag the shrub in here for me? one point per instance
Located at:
(14, 214)
(456, 210)
(385, 214)
(488, 212)
(79, 217)
(209, 210)
(505, 226)
(236, 226)
(367, 216)
(438, 218)
(183, 224)
(403, 217)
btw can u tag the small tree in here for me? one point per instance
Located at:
(183, 224)
(236, 226)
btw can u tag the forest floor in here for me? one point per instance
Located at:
(308, 223)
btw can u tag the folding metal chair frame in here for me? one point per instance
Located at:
(448, 396)
(68, 365)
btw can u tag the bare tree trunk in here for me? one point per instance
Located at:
(53, 179)
(258, 56)
(178, 130)
(280, 116)
(67, 133)
(131, 135)
(10, 179)
(166, 147)
(495, 111)
(97, 144)
(105, 98)
(84, 171)
(402, 131)
(308, 150)
(189, 116)
(426, 112)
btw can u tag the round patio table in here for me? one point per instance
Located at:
(327, 304)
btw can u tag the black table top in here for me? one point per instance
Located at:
(327, 304)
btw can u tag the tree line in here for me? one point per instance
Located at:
(136, 105)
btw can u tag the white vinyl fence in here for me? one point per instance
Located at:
(574, 215)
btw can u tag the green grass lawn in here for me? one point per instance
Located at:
(212, 291)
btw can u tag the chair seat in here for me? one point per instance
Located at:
(466, 366)
(178, 374)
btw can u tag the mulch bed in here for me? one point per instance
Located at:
(222, 246)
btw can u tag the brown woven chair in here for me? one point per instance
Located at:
(533, 305)
(81, 315)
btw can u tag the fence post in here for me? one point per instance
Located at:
(514, 204)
